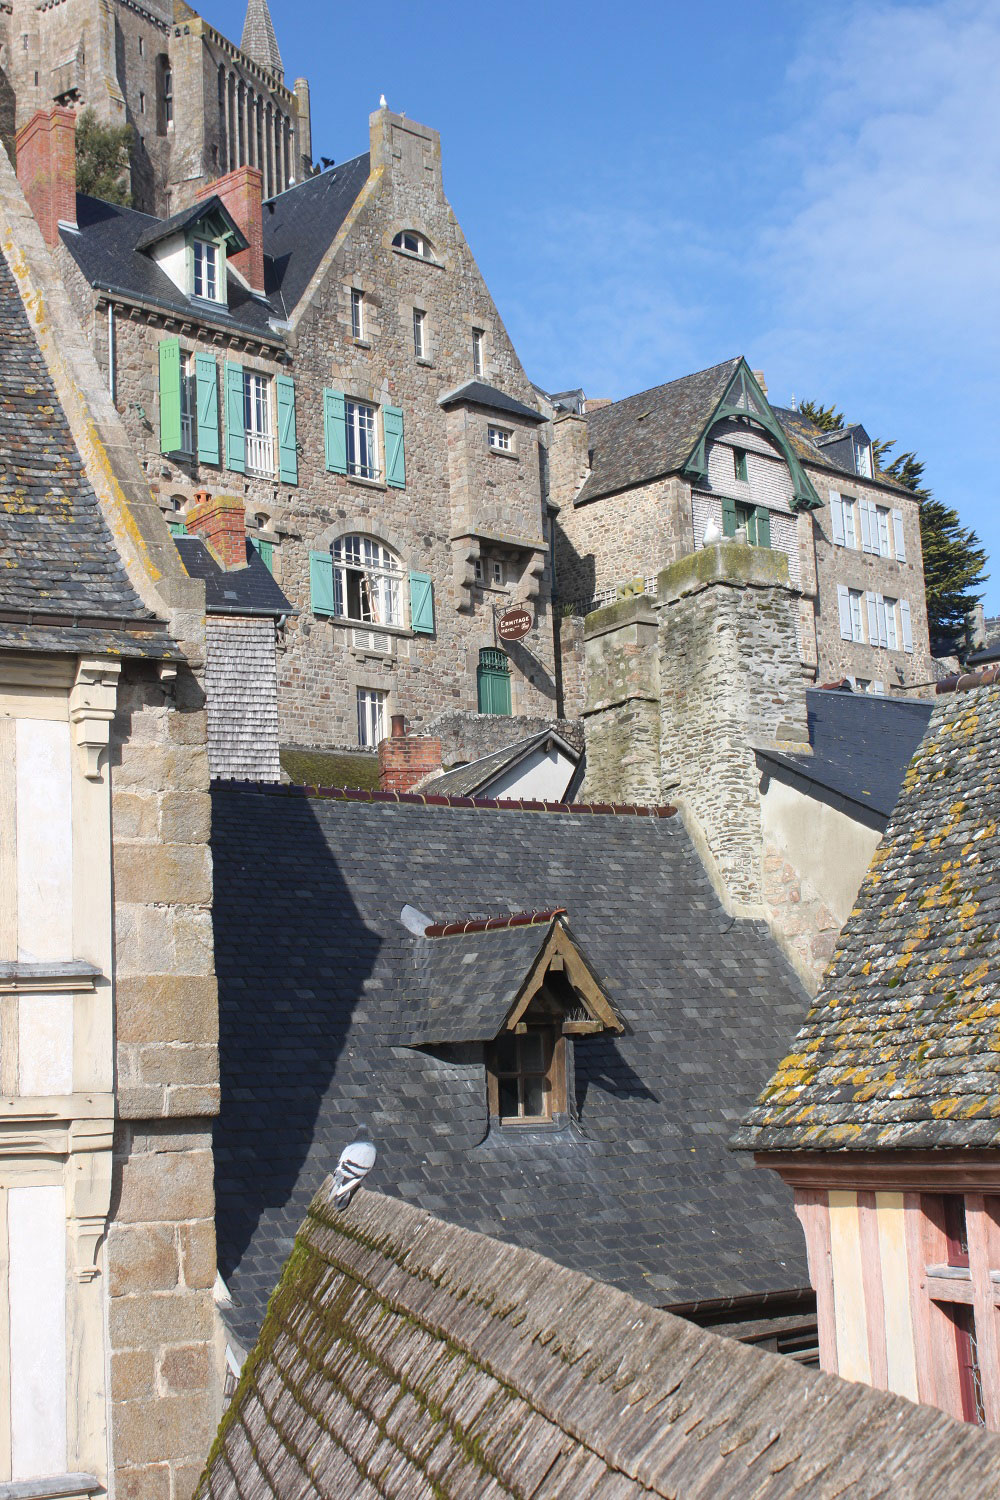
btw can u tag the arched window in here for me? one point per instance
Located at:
(367, 581)
(493, 681)
(414, 243)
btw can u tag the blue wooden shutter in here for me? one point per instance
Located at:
(844, 608)
(170, 395)
(872, 609)
(236, 439)
(321, 583)
(288, 458)
(334, 432)
(897, 535)
(421, 604)
(207, 383)
(866, 527)
(837, 518)
(907, 624)
(763, 518)
(728, 516)
(395, 466)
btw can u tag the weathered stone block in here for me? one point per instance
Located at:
(187, 1367)
(146, 1321)
(135, 816)
(169, 873)
(185, 817)
(142, 1257)
(191, 1100)
(168, 1008)
(198, 1259)
(145, 1482)
(166, 1185)
(163, 1427)
(173, 1063)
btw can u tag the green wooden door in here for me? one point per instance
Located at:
(493, 682)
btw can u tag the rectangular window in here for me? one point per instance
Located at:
(371, 717)
(883, 549)
(206, 270)
(850, 529)
(419, 344)
(367, 581)
(522, 1068)
(362, 454)
(357, 314)
(739, 465)
(189, 401)
(498, 579)
(478, 366)
(478, 567)
(857, 630)
(168, 98)
(257, 423)
(500, 439)
(863, 460)
(891, 632)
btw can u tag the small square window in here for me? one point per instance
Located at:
(357, 314)
(500, 439)
(524, 1075)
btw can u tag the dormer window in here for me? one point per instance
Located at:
(863, 460)
(206, 270)
(527, 1072)
(412, 243)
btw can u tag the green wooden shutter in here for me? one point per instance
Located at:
(177, 528)
(170, 395)
(728, 516)
(763, 518)
(236, 439)
(493, 682)
(335, 432)
(421, 604)
(207, 382)
(288, 457)
(265, 551)
(395, 466)
(321, 583)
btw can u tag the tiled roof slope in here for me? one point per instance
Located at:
(803, 435)
(901, 1048)
(233, 591)
(861, 746)
(646, 436)
(301, 223)
(57, 556)
(476, 775)
(478, 393)
(404, 1356)
(316, 977)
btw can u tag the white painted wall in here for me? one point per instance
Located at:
(45, 1044)
(44, 841)
(171, 256)
(36, 1228)
(543, 777)
(826, 847)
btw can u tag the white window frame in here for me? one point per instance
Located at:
(189, 403)
(498, 573)
(882, 520)
(411, 242)
(361, 424)
(357, 313)
(206, 268)
(372, 704)
(258, 424)
(500, 439)
(477, 567)
(854, 597)
(863, 460)
(367, 582)
(888, 606)
(419, 333)
(478, 351)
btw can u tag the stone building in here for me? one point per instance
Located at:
(883, 1116)
(109, 1362)
(639, 482)
(332, 358)
(198, 105)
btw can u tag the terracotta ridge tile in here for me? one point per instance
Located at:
(495, 924)
(431, 799)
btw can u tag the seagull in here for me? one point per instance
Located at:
(381, 102)
(356, 1161)
(712, 533)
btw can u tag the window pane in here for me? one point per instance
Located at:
(534, 1096)
(506, 1053)
(532, 1052)
(508, 1097)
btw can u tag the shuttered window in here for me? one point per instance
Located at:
(493, 682)
(334, 432)
(392, 431)
(288, 457)
(907, 625)
(321, 597)
(421, 604)
(170, 396)
(899, 540)
(265, 551)
(837, 518)
(207, 398)
(236, 442)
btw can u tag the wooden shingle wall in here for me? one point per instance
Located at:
(242, 698)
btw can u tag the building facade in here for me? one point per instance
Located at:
(198, 105)
(641, 482)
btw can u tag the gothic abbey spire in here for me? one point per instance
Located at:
(259, 41)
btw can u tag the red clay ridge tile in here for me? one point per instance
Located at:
(510, 804)
(494, 924)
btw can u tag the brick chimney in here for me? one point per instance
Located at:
(242, 191)
(406, 759)
(221, 520)
(46, 168)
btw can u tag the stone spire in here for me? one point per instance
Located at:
(259, 41)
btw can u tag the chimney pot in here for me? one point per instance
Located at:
(398, 726)
(46, 168)
(242, 192)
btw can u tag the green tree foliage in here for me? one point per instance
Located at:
(102, 159)
(954, 557)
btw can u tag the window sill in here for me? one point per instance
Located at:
(361, 343)
(421, 259)
(368, 484)
(422, 359)
(504, 453)
(401, 631)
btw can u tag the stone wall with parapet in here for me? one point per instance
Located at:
(622, 712)
(469, 736)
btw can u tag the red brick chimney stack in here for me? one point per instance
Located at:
(221, 520)
(242, 191)
(46, 168)
(405, 759)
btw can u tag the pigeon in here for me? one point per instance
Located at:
(356, 1161)
(381, 102)
(712, 533)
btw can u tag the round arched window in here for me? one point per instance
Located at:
(414, 243)
(367, 581)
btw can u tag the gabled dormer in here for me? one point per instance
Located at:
(849, 448)
(193, 247)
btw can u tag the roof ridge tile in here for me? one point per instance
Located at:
(495, 924)
(428, 799)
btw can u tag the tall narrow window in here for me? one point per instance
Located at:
(188, 403)
(857, 631)
(850, 531)
(371, 716)
(357, 313)
(362, 457)
(419, 346)
(206, 270)
(739, 464)
(477, 351)
(257, 423)
(168, 98)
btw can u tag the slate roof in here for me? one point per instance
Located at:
(476, 776)
(901, 1048)
(405, 1356)
(862, 746)
(301, 223)
(478, 393)
(234, 591)
(161, 229)
(315, 971)
(651, 434)
(63, 586)
(259, 40)
(814, 446)
(463, 986)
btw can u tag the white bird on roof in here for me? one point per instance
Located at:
(356, 1161)
(381, 102)
(712, 533)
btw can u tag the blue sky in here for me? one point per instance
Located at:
(649, 189)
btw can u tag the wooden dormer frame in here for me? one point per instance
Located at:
(560, 954)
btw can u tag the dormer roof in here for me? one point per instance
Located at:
(209, 214)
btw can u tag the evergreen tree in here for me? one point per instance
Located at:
(954, 557)
(102, 159)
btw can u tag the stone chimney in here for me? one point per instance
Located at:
(411, 152)
(242, 191)
(406, 759)
(569, 457)
(622, 713)
(221, 521)
(46, 168)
